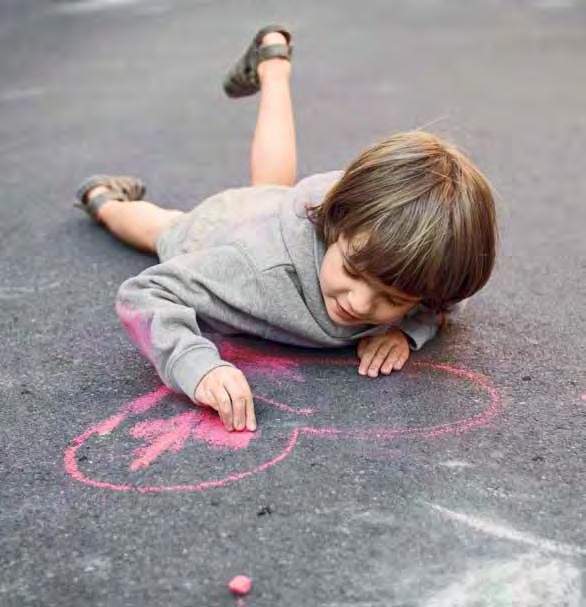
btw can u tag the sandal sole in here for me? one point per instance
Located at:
(242, 79)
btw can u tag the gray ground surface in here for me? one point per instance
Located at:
(458, 482)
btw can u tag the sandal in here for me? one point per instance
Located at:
(121, 187)
(242, 79)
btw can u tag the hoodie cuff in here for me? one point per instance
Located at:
(418, 333)
(190, 368)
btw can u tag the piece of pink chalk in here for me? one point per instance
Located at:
(240, 584)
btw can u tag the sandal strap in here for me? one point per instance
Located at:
(123, 187)
(242, 79)
(87, 185)
(96, 202)
(272, 51)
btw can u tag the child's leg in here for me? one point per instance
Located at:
(273, 159)
(273, 152)
(138, 223)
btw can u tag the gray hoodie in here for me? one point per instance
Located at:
(255, 272)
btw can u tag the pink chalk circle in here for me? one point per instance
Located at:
(241, 584)
(169, 435)
(584, 396)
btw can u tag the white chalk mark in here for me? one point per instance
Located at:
(555, 4)
(508, 533)
(154, 10)
(97, 566)
(454, 463)
(531, 580)
(20, 94)
(16, 292)
(93, 5)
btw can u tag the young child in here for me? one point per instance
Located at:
(374, 255)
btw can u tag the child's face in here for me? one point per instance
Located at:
(364, 297)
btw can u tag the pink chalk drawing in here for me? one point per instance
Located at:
(235, 456)
(137, 327)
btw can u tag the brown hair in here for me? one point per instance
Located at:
(419, 215)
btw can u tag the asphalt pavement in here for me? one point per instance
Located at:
(457, 482)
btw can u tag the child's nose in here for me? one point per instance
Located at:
(360, 301)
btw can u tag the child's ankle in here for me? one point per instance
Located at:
(273, 68)
(104, 213)
(276, 67)
(100, 189)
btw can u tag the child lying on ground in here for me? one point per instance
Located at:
(374, 255)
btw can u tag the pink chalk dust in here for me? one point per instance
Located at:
(161, 435)
(137, 327)
(170, 435)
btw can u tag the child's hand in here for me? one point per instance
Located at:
(385, 352)
(226, 390)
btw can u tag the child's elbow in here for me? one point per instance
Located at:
(123, 292)
(125, 296)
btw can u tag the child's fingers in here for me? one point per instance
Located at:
(242, 402)
(390, 364)
(226, 390)
(395, 361)
(378, 360)
(239, 394)
(373, 358)
(250, 414)
(223, 405)
(239, 411)
(365, 359)
(402, 360)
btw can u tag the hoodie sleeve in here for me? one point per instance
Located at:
(423, 324)
(160, 309)
(420, 327)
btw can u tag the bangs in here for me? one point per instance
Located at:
(418, 216)
(422, 251)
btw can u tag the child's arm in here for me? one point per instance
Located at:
(160, 308)
(424, 324)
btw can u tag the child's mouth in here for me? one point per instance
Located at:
(346, 315)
